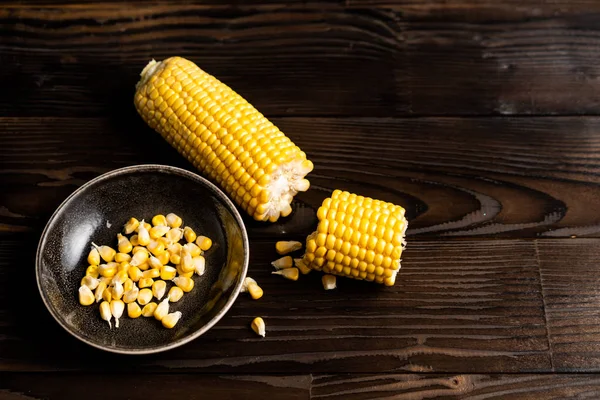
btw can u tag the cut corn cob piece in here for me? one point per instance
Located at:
(357, 237)
(284, 247)
(223, 135)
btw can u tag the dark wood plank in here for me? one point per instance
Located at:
(411, 57)
(14, 386)
(457, 306)
(482, 177)
(421, 386)
(571, 285)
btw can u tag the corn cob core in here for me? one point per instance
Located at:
(357, 237)
(223, 136)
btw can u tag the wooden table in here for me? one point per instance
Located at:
(480, 117)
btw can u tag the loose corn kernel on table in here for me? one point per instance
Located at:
(478, 118)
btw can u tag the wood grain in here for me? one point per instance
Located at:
(458, 306)
(148, 386)
(420, 386)
(483, 177)
(570, 280)
(358, 59)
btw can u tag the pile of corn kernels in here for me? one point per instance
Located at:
(138, 271)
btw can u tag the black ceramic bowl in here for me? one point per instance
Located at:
(97, 211)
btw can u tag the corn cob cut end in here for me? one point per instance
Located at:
(357, 237)
(223, 136)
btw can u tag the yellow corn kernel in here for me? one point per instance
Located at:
(139, 258)
(122, 257)
(116, 291)
(170, 320)
(100, 291)
(86, 297)
(283, 262)
(93, 257)
(156, 248)
(144, 296)
(181, 272)
(175, 253)
(155, 262)
(128, 285)
(185, 284)
(124, 245)
(92, 271)
(167, 272)
(145, 283)
(329, 282)
(192, 249)
(173, 220)
(162, 309)
(199, 265)
(105, 312)
(258, 326)
(135, 274)
(144, 266)
(148, 310)
(189, 234)
(123, 267)
(288, 273)
(174, 235)
(107, 253)
(146, 225)
(158, 289)
(175, 294)
(284, 247)
(357, 237)
(107, 294)
(205, 243)
(90, 282)
(134, 310)
(158, 231)
(139, 248)
(120, 277)
(108, 270)
(143, 235)
(131, 295)
(165, 241)
(187, 262)
(116, 308)
(159, 219)
(252, 287)
(301, 265)
(164, 258)
(131, 226)
(151, 273)
(134, 240)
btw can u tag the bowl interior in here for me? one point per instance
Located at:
(96, 213)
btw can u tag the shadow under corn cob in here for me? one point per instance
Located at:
(223, 136)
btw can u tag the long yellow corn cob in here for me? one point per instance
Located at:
(223, 136)
(357, 237)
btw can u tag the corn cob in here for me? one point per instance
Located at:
(357, 237)
(223, 136)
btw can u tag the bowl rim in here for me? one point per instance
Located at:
(145, 168)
